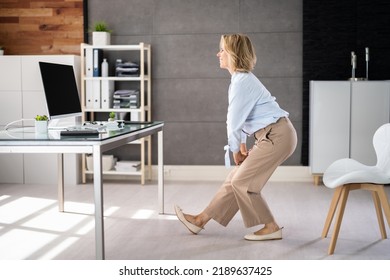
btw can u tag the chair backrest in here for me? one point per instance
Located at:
(381, 141)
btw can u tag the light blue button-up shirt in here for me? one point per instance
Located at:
(251, 107)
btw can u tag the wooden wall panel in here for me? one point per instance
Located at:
(32, 27)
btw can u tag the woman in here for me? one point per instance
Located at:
(252, 110)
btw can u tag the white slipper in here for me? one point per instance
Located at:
(191, 227)
(261, 237)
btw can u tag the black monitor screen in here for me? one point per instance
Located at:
(62, 97)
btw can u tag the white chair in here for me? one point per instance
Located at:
(347, 174)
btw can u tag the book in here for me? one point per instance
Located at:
(89, 94)
(89, 62)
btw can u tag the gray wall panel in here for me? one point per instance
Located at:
(194, 143)
(124, 17)
(196, 16)
(130, 40)
(270, 16)
(190, 100)
(279, 54)
(186, 56)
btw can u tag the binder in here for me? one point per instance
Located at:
(89, 93)
(97, 62)
(89, 63)
(107, 93)
(96, 88)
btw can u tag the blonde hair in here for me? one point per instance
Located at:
(241, 52)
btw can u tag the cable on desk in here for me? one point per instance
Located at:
(20, 120)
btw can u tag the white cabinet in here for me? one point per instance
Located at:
(10, 89)
(97, 93)
(370, 109)
(11, 166)
(343, 119)
(329, 123)
(22, 97)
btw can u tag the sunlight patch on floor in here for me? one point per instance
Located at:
(143, 214)
(20, 244)
(111, 210)
(4, 197)
(86, 228)
(22, 208)
(32, 226)
(79, 208)
(54, 221)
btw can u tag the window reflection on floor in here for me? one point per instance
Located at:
(33, 228)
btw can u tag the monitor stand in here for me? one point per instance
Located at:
(65, 123)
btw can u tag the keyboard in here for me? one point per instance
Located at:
(94, 125)
(80, 133)
(137, 122)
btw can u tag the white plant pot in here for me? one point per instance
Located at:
(112, 125)
(101, 38)
(1, 52)
(41, 127)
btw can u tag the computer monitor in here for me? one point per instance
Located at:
(62, 96)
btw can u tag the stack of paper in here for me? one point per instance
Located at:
(126, 69)
(126, 99)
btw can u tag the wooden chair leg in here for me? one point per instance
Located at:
(332, 210)
(384, 202)
(379, 214)
(317, 180)
(339, 218)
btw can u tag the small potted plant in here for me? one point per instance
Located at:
(101, 35)
(41, 122)
(111, 117)
(1, 50)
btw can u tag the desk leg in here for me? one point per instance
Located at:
(60, 177)
(160, 172)
(98, 195)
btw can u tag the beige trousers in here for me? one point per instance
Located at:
(242, 187)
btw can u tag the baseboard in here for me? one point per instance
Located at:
(219, 173)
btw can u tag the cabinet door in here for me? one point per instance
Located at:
(34, 103)
(329, 123)
(11, 168)
(10, 73)
(31, 73)
(10, 106)
(370, 109)
(10, 89)
(11, 165)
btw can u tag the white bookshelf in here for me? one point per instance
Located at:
(142, 82)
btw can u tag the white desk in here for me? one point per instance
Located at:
(20, 142)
